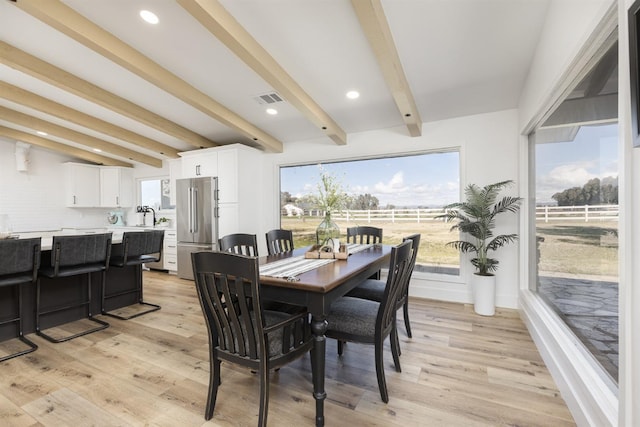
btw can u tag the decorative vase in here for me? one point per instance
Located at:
(327, 230)
(484, 291)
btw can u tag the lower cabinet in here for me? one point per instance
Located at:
(170, 251)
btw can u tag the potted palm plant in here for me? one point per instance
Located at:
(476, 219)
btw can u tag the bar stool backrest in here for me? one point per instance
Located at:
(19, 260)
(138, 247)
(78, 254)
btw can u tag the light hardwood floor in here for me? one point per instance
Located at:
(460, 369)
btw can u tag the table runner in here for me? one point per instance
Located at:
(291, 267)
(357, 247)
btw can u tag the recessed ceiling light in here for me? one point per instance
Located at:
(97, 150)
(271, 111)
(39, 132)
(149, 16)
(353, 94)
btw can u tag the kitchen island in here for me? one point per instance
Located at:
(55, 292)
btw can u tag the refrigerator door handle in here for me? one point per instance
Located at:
(194, 210)
(190, 215)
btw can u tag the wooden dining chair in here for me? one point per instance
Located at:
(370, 322)
(19, 263)
(279, 241)
(239, 243)
(241, 331)
(373, 290)
(365, 235)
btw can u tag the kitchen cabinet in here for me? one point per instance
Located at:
(116, 187)
(199, 163)
(82, 185)
(170, 251)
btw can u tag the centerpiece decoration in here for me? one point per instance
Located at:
(330, 198)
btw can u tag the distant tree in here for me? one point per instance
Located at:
(286, 197)
(363, 202)
(594, 192)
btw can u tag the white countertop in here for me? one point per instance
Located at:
(47, 235)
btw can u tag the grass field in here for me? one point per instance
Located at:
(575, 248)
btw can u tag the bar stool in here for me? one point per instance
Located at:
(19, 263)
(137, 248)
(73, 256)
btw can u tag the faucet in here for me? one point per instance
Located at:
(144, 210)
(154, 214)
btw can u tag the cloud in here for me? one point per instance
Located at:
(395, 185)
(567, 176)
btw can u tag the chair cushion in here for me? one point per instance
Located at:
(274, 337)
(370, 289)
(353, 316)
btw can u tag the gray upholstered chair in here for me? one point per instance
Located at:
(240, 329)
(373, 290)
(369, 322)
(73, 256)
(279, 241)
(19, 263)
(137, 248)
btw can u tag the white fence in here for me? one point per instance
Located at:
(543, 214)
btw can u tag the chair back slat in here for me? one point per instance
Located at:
(279, 241)
(239, 243)
(398, 269)
(364, 235)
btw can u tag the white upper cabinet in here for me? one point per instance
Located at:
(228, 176)
(82, 185)
(116, 187)
(199, 164)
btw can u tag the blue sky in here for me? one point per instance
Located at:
(420, 180)
(562, 165)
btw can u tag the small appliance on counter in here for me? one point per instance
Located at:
(115, 218)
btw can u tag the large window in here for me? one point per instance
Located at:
(401, 195)
(576, 211)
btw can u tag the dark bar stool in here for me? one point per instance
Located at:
(73, 256)
(19, 263)
(137, 248)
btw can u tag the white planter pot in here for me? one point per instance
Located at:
(484, 294)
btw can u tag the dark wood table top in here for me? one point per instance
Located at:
(327, 277)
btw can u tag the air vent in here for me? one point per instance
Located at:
(268, 98)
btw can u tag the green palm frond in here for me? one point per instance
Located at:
(475, 217)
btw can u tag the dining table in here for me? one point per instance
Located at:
(292, 278)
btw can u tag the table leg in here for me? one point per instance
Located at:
(318, 327)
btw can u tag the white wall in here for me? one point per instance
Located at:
(34, 200)
(489, 153)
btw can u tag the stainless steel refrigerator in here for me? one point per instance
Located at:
(196, 220)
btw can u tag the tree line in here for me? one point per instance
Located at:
(594, 192)
(353, 202)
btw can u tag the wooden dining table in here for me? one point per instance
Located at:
(316, 289)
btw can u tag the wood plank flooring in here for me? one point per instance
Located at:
(460, 369)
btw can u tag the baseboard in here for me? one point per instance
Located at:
(590, 394)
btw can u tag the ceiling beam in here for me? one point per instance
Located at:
(215, 18)
(376, 28)
(62, 148)
(44, 105)
(29, 64)
(91, 142)
(71, 23)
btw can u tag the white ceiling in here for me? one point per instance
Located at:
(460, 57)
